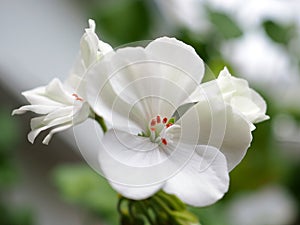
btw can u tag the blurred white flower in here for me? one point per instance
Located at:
(64, 105)
(286, 130)
(138, 91)
(188, 13)
(271, 205)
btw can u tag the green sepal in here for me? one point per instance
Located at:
(171, 120)
(184, 218)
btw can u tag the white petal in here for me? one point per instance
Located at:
(137, 167)
(76, 83)
(35, 96)
(247, 107)
(59, 113)
(204, 122)
(56, 91)
(145, 79)
(76, 73)
(81, 113)
(89, 47)
(236, 91)
(39, 124)
(104, 48)
(92, 25)
(131, 164)
(154, 86)
(39, 109)
(203, 180)
(237, 138)
(136, 193)
(54, 94)
(229, 83)
(55, 130)
(104, 101)
(260, 102)
(215, 124)
(35, 132)
(178, 54)
(38, 96)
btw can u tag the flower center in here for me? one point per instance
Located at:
(157, 129)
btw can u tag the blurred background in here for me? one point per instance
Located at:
(258, 40)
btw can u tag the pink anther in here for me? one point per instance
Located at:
(77, 98)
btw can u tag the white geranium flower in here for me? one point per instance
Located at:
(64, 105)
(138, 90)
(60, 109)
(236, 91)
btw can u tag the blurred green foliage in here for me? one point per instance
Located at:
(15, 216)
(79, 184)
(278, 32)
(9, 137)
(224, 25)
(208, 44)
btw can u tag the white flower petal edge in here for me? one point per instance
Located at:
(64, 105)
(204, 180)
(236, 92)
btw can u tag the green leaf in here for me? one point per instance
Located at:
(277, 32)
(225, 25)
(81, 185)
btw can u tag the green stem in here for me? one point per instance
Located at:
(119, 207)
(130, 209)
(161, 204)
(101, 122)
(172, 200)
(145, 212)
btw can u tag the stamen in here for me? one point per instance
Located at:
(164, 141)
(165, 120)
(152, 133)
(168, 125)
(77, 98)
(158, 119)
(153, 122)
(157, 130)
